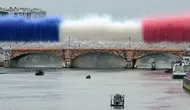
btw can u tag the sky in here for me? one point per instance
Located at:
(115, 8)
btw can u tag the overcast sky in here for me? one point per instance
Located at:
(116, 8)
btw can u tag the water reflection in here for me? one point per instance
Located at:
(69, 90)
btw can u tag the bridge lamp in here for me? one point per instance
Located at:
(129, 41)
(69, 41)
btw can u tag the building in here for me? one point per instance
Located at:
(28, 13)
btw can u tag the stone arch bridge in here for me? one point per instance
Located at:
(67, 55)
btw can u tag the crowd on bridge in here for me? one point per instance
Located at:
(91, 44)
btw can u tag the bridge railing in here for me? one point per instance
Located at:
(80, 44)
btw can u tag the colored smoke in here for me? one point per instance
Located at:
(20, 29)
(169, 29)
(96, 28)
(101, 28)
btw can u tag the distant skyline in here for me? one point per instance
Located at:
(116, 8)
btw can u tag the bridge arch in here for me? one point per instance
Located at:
(98, 60)
(32, 60)
(163, 60)
(1, 60)
(82, 52)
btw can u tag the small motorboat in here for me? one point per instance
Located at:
(88, 77)
(168, 70)
(39, 73)
(153, 66)
(2, 73)
(117, 100)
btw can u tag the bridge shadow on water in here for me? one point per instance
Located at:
(98, 60)
(109, 61)
(36, 60)
(162, 60)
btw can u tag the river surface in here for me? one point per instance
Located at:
(69, 90)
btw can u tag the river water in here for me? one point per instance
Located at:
(69, 90)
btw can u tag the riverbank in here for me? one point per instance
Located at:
(186, 83)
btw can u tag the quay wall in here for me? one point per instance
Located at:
(186, 82)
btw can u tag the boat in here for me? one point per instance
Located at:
(88, 77)
(39, 73)
(117, 100)
(2, 73)
(168, 70)
(153, 66)
(187, 59)
(186, 82)
(180, 68)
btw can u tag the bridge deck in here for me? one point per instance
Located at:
(69, 48)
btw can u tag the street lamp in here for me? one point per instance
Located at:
(69, 41)
(129, 41)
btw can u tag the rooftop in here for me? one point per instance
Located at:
(22, 9)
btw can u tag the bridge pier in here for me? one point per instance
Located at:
(129, 64)
(7, 63)
(67, 64)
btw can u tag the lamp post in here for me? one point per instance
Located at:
(69, 41)
(129, 41)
